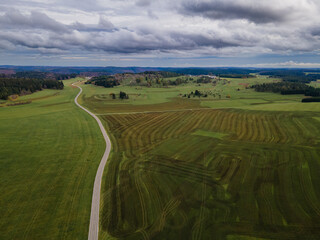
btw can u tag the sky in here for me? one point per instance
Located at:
(162, 33)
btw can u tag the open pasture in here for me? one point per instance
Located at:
(49, 153)
(144, 99)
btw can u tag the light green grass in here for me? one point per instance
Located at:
(287, 106)
(155, 98)
(210, 134)
(49, 154)
(317, 118)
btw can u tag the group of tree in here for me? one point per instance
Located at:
(163, 74)
(177, 81)
(43, 75)
(204, 79)
(314, 99)
(287, 88)
(122, 95)
(104, 81)
(11, 86)
(236, 75)
(200, 94)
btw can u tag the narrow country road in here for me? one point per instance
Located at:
(94, 217)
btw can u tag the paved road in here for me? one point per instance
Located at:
(94, 217)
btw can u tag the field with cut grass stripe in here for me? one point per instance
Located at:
(180, 170)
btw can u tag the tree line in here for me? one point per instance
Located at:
(39, 75)
(288, 88)
(291, 75)
(163, 74)
(11, 86)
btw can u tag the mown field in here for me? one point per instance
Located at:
(208, 168)
(49, 153)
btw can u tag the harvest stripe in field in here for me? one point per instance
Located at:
(94, 217)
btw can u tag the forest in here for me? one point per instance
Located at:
(288, 88)
(39, 75)
(10, 86)
(292, 75)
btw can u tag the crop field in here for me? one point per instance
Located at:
(49, 153)
(180, 170)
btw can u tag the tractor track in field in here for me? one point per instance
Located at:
(95, 206)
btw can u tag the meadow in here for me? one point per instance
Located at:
(244, 167)
(144, 99)
(49, 153)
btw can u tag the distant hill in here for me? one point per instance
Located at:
(110, 70)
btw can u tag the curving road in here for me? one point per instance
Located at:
(94, 217)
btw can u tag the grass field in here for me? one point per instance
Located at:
(144, 99)
(49, 154)
(182, 171)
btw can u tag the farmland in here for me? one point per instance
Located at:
(207, 168)
(49, 152)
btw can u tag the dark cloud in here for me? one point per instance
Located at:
(104, 25)
(32, 41)
(218, 9)
(36, 20)
(143, 3)
(14, 18)
(120, 41)
(195, 40)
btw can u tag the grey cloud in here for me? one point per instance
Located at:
(35, 20)
(194, 40)
(33, 41)
(120, 41)
(38, 20)
(104, 25)
(152, 15)
(125, 41)
(159, 29)
(143, 3)
(219, 9)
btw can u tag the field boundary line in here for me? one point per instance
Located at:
(95, 205)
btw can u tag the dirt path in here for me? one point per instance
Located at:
(94, 217)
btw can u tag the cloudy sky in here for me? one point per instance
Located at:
(180, 33)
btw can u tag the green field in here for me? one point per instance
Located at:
(49, 153)
(144, 99)
(240, 168)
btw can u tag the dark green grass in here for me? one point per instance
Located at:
(259, 180)
(49, 154)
